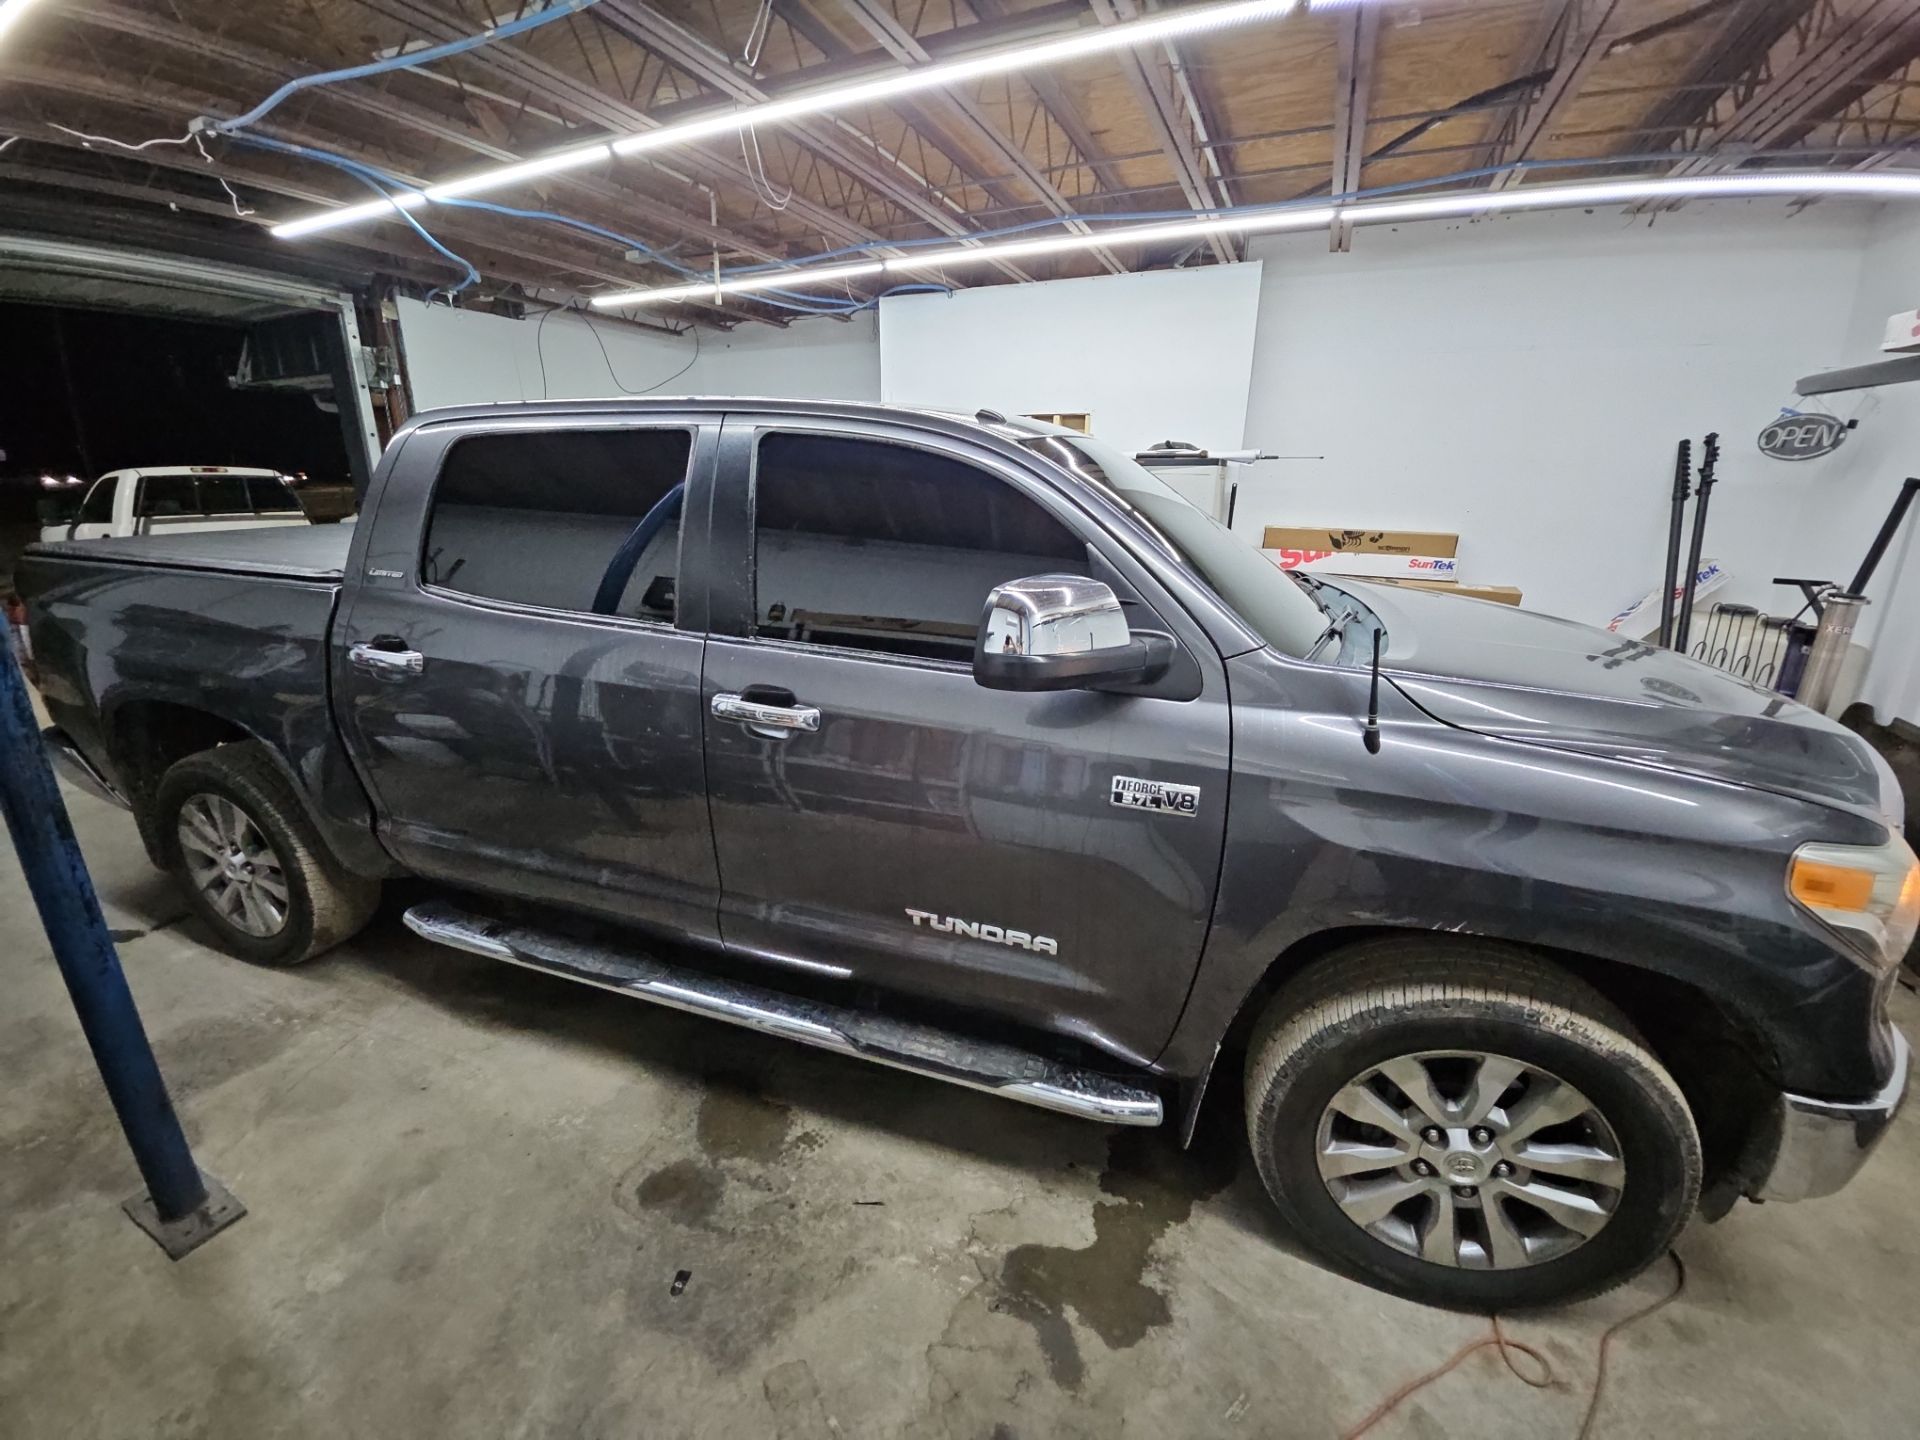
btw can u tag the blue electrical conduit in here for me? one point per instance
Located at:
(404, 62)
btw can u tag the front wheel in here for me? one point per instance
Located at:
(238, 840)
(1468, 1125)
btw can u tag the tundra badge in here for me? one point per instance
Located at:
(1135, 794)
(976, 930)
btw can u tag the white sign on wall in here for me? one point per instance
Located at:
(1163, 355)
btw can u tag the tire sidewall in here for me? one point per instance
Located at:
(204, 775)
(1657, 1142)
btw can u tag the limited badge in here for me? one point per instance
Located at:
(1136, 794)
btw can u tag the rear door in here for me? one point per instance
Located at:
(931, 836)
(517, 677)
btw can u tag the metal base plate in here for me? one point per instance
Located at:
(190, 1231)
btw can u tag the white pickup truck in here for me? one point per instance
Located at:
(160, 499)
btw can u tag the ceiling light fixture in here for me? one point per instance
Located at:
(1075, 46)
(1876, 186)
(10, 13)
(746, 284)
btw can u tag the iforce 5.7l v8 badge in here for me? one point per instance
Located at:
(1132, 793)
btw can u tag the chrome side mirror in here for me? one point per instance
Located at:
(1062, 632)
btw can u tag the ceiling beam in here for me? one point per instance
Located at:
(1358, 42)
(607, 204)
(706, 63)
(1577, 43)
(1163, 114)
(899, 42)
(1807, 73)
(585, 100)
(1053, 95)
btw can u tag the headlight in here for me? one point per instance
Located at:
(1871, 890)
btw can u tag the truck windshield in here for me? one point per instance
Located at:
(1272, 603)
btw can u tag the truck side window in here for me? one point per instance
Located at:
(97, 508)
(540, 517)
(876, 546)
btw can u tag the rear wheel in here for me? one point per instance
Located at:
(239, 841)
(1468, 1125)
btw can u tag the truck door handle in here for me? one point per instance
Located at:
(771, 722)
(378, 659)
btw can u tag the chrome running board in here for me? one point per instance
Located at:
(979, 1065)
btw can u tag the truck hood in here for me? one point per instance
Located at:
(1507, 672)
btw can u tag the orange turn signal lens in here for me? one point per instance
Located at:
(1822, 886)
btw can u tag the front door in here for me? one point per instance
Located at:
(925, 834)
(519, 690)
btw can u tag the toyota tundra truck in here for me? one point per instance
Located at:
(966, 746)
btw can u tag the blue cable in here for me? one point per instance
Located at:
(376, 181)
(405, 62)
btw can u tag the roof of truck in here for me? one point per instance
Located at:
(1013, 427)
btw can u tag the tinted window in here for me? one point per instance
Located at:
(267, 493)
(553, 518)
(164, 495)
(886, 547)
(97, 508)
(222, 495)
(1278, 607)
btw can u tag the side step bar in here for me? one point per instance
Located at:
(979, 1065)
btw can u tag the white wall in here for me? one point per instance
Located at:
(1522, 380)
(1157, 356)
(457, 357)
(1852, 489)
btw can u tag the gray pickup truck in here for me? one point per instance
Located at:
(965, 746)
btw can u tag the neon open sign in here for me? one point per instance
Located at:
(1803, 437)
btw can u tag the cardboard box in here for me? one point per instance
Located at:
(1363, 565)
(1436, 543)
(1502, 594)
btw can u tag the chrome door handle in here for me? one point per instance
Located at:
(774, 722)
(376, 661)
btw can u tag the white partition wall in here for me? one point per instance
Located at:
(1157, 356)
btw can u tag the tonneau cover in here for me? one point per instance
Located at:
(295, 552)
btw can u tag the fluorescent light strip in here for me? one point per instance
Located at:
(1047, 52)
(1076, 46)
(484, 180)
(1129, 235)
(771, 280)
(1420, 207)
(10, 13)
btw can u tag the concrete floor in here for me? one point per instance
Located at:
(471, 1189)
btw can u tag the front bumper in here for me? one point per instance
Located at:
(1823, 1143)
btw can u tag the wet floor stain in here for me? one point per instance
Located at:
(1103, 1285)
(686, 1191)
(737, 1122)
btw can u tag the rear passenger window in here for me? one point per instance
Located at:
(875, 546)
(584, 520)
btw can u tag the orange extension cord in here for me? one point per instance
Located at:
(1545, 1376)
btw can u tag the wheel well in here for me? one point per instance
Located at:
(150, 735)
(1720, 1065)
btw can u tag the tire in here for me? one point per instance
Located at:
(1382, 1001)
(292, 876)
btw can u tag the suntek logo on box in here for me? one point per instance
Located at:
(1439, 567)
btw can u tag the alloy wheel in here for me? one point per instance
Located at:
(1470, 1159)
(232, 865)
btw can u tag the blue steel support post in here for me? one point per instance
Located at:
(181, 1207)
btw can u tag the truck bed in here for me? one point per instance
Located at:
(302, 552)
